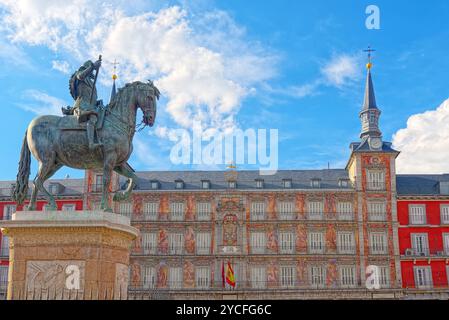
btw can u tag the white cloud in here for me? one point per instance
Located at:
(42, 103)
(62, 66)
(424, 143)
(342, 70)
(202, 63)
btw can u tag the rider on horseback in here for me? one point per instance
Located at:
(82, 89)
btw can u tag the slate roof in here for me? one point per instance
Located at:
(364, 146)
(422, 184)
(369, 101)
(71, 187)
(301, 179)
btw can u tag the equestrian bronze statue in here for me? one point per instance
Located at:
(70, 140)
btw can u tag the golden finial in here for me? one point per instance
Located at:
(114, 75)
(231, 165)
(369, 65)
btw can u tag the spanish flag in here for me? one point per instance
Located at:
(230, 275)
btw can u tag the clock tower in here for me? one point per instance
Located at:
(371, 168)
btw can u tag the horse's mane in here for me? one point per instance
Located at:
(122, 93)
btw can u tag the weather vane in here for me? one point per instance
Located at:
(369, 50)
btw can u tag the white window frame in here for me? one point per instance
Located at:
(378, 243)
(286, 210)
(287, 276)
(377, 210)
(345, 242)
(420, 247)
(149, 242)
(317, 276)
(423, 277)
(203, 211)
(286, 242)
(176, 243)
(151, 210)
(8, 210)
(202, 277)
(148, 277)
(203, 242)
(345, 210)
(3, 277)
(384, 276)
(4, 249)
(347, 276)
(258, 210)
(258, 276)
(446, 244)
(444, 213)
(126, 209)
(258, 242)
(316, 243)
(69, 207)
(175, 278)
(417, 214)
(375, 180)
(177, 211)
(315, 210)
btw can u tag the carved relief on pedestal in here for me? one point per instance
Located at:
(190, 240)
(230, 230)
(54, 277)
(121, 281)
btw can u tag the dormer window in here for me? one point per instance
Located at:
(343, 183)
(54, 188)
(259, 183)
(154, 184)
(232, 184)
(179, 184)
(205, 184)
(287, 183)
(315, 183)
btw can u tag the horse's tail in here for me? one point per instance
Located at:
(21, 187)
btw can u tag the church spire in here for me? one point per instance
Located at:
(114, 77)
(369, 115)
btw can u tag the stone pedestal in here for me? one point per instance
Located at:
(68, 255)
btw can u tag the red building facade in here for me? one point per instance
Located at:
(423, 216)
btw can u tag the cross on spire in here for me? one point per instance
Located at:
(369, 50)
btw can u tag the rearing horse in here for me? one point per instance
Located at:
(59, 141)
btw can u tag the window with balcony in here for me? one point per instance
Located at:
(423, 277)
(148, 277)
(126, 209)
(203, 211)
(150, 210)
(177, 211)
(317, 276)
(258, 242)
(287, 276)
(203, 242)
(8, 210)
(347, 276)
(286, 242)
(175, 277)
(445, 214)
(4, 249)
(258, 210)
(149, 242)
(316, 242)
(378, 243)
(202, 277)
(384, 277)
(345, 211)
(286, 210)
(315, 210)
(377, 210)
(345, 242)
(176, 243)
(375, 180)
(258, 277)
(420, 244)
(3, 277)
(417, 214)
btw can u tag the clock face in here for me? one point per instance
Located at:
(376, 143)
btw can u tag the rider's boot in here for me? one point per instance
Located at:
(90, 133)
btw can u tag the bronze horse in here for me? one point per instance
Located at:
(57, 141)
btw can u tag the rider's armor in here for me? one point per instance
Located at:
(81, 86)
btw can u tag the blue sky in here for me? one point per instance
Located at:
(294, 66)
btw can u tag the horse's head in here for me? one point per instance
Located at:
(146, 100)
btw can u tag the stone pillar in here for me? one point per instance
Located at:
(80, 255)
